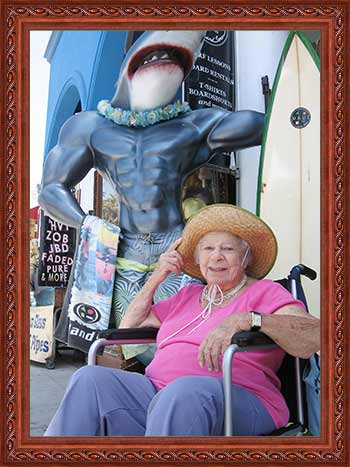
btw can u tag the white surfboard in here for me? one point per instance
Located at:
(288, 195)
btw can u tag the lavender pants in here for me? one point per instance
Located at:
(107, 402)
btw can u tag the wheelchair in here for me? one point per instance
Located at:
(291, 369)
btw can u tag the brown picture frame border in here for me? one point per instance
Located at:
(16, 446)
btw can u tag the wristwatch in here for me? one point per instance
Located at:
(256, 321)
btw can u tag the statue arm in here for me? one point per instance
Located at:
(236, 131)
(66, 165)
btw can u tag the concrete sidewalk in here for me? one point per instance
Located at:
(47, 388)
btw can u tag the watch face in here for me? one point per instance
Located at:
(256, 321)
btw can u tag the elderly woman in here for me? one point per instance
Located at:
(181, 393)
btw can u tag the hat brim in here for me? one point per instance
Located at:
(237, 221)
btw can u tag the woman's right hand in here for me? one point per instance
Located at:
(169, 261)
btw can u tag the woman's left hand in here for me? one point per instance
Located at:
(219, 338)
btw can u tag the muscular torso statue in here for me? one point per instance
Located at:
(146, 166)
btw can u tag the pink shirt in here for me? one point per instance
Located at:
(255, 371)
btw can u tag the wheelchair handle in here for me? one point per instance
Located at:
(302, 270)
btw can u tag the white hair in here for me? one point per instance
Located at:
(247, 258)
(246, 253)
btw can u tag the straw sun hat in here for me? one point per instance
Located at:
(239, 222)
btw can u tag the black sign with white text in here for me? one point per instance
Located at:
(211, 82)
(56, 252)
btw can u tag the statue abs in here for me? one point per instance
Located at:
(147, 167)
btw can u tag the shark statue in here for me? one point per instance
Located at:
(145, 145)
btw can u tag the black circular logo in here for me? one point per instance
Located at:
(300, 117)
(216, 38)
(87, 313)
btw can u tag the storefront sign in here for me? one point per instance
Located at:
(56, 252)
(41, 333)
(211, 82)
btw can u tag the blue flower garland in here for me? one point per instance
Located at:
(144, 118)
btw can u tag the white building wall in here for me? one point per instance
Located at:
(257, 55)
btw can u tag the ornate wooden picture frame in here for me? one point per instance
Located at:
(18, 19)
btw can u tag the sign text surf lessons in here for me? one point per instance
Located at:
(57, 246)
(211, 82)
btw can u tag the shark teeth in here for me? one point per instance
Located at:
(158, 53)
(156, 56)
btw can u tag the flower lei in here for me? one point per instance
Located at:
(143, 118)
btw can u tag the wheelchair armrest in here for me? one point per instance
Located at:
(120, 336)
(251, 338)
(129, 334)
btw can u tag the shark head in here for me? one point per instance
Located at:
(154, 68)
